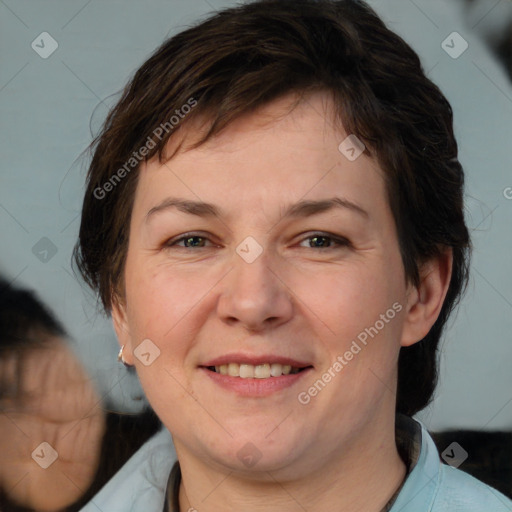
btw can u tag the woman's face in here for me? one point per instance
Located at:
(282, 251)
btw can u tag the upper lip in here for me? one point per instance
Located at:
(255, 360)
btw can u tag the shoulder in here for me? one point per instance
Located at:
(460, 492)
(139, 486)
(433, 486)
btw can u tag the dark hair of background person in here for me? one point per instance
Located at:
(22, 317)
(25, 324)
(244, 57)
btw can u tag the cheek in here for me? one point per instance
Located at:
(363, 309)
(161, 301)
(350, 299)
(159, 306)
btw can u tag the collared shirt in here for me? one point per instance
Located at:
(430, 485)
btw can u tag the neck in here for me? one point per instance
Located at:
(360, 478)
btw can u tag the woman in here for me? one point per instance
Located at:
(274, 219)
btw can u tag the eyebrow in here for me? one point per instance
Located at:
(303, 208)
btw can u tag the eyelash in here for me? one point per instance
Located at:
(339, 241)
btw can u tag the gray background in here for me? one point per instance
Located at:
(49, 107)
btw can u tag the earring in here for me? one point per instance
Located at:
(121, 359)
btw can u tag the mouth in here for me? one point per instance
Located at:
(258, 371)
(255, 376)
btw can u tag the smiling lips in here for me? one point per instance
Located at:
(259, 371)
(256, 380)
(246, 366)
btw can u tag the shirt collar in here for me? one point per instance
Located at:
(420, 484)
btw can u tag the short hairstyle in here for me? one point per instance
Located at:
(244, 57)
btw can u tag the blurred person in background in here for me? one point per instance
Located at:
(58, 445)
(45, 397)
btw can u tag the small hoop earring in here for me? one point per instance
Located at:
(121, 359)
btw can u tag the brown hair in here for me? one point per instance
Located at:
(244, 57)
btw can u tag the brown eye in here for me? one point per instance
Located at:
(320, 241)
(188, 241)
(194, 241)
(325, 241)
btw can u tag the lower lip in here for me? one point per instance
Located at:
(255, 387)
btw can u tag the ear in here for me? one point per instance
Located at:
(425, 301)
(120, 321)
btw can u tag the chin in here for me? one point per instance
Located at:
(257, 454)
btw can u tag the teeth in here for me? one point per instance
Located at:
(276, 369)
(260, 371)
(247, 371)
(234, 370)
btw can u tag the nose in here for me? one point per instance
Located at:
(255, 296)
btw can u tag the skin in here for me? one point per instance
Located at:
(296, 299)
(57, 404)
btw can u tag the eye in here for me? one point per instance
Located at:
(325, 241)
(190, 240)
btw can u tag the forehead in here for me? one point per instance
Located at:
(276, 154)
